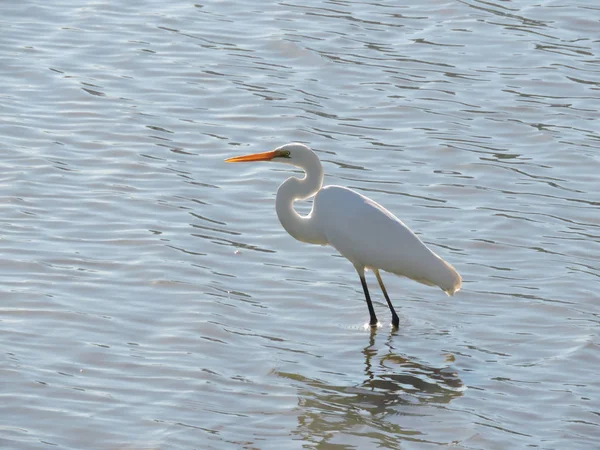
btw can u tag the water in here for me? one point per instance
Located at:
(150, 298)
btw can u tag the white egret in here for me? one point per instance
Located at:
(363, 231)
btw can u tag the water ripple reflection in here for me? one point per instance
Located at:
(377, 408)
(151, 299)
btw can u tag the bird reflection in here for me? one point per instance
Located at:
(398, 379)
(394, 386)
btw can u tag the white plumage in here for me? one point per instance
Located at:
(370, 236)
(363, 231)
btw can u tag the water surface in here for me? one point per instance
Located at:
(150, 298)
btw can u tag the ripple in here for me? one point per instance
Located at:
(150, 286)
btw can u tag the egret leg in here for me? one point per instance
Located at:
(395, 319)
(373, 321)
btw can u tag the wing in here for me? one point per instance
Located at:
(370, 236)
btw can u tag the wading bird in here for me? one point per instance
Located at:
(363, 231)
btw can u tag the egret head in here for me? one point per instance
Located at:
(293, 154)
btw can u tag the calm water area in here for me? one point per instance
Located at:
(149, 297)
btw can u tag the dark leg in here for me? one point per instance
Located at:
(395, 320)
(373, 321)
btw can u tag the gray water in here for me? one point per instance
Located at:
(150, 298)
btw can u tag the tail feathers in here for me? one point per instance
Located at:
(438, 273)
(453, 280)
(430, 270)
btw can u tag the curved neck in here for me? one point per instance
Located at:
(301, 228)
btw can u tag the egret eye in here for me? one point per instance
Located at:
(284, 154)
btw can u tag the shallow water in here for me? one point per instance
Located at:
(150, 298)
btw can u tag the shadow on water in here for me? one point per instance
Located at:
(376, 409)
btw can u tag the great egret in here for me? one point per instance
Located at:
(363, 231)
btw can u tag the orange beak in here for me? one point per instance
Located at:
(265, 156)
